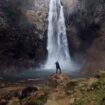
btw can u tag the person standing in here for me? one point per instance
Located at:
(58, 68)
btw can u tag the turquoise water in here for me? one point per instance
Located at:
(36, 74)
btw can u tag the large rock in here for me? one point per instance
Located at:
(56, 80)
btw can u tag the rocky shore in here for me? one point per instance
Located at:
(58, 89)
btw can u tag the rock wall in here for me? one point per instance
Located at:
(22, 34)
(85, 28)
(23, 31)
(96, 55)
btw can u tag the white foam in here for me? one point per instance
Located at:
(57, 45)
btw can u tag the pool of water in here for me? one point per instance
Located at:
(36, 75)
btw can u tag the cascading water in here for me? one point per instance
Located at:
(57, 44)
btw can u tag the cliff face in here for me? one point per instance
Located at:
(85, 28)
(84, 23)
(22, 34)
(23, 31)
(96, 56)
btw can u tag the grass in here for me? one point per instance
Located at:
(88, 95)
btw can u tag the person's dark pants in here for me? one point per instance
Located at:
(58, 70)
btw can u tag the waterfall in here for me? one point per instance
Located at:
(57, 44)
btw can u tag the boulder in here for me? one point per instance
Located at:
(26, 92)
(58, 80)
